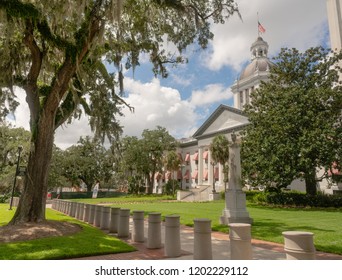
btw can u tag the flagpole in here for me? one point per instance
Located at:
(258, 24)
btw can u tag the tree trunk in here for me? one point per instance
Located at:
(31, 207)
(311, 183)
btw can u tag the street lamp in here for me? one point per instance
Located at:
(20, 148)
(213, 164)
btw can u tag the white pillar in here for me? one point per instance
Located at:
(91, 214)
(172, 247)
(154, 231)
(299, 245)
(114, 220)
(97, 217)
(138, 226)
(240, 241)
(202, 239)
(86, 212)
(123, 225)
(104, 224)
(200, 166)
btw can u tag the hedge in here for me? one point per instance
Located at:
(297, 199)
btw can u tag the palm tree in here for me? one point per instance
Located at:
(219, 149)
(172, 163)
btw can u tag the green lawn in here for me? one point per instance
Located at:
(269, 223)
(89, 241)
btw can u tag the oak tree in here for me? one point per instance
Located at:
(55, 51)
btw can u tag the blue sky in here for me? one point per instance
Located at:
(183, 101)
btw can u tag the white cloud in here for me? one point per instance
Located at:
(157, 105)
(210, 94)
(288, 23)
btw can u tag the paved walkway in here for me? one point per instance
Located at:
(262, 250)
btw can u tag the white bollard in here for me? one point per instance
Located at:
(138, 226)
(80, 211)
(104, 224)
(123, 224)
(86, 211)
(73, 209)
(172, 236)
(299, 245)
(114, 220)
(154, 231)
(240, 241)
(97, 217)
(91, 214)
(202, 239)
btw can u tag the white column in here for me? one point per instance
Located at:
(210, 169)
(200, 166)
(202, 240)
(172, 247)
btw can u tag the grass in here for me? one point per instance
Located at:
(269, 223)
(88, 242)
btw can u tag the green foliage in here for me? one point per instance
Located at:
(145, 157)
(294, 199)
(171, 187)
(10, 140)
(87, 161)
(295, 121)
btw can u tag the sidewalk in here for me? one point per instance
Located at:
(262, 250)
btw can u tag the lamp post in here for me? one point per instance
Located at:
(213, 164)
(20, 148)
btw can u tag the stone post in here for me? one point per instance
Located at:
(73, 209)
(114, 220)
(80, 211)
(123, 225)
(240, 241)
(154, 231)
(202, 240)
(97, 217)
(86, 212)
(91, 214)
(172, 247)
(77, 209)
(299, 245)
(138, 226)
(104, 224)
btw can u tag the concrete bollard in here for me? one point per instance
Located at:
(240, 241)
(202, 239)
(172, 236)
(86, 212)
(114, 220)
(299, 245)
(104, 224)
(73, 209)
(77, 210)
(91, 214)
(97, 217)
(123, 224)
(154, 231)
(80, 211)
(138, 226)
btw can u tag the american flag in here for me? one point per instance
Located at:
(261, 28)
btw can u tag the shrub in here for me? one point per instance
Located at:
(298, 199)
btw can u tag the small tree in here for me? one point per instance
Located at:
(219, 149)
(172, 163)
